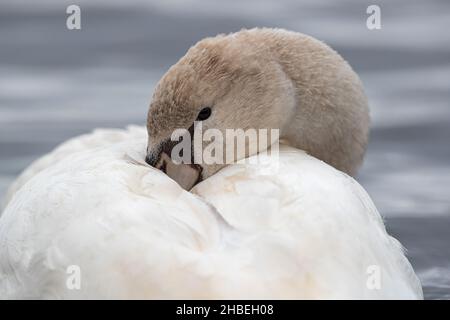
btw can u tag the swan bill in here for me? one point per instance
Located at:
(186, 175)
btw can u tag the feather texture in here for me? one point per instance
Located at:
(288, 227)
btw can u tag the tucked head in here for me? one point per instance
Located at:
(257, 79)
(220, 86)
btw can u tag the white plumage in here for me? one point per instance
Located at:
(296, 228)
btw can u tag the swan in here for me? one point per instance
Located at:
(290, 225)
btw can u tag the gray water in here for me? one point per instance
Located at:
(56, 83)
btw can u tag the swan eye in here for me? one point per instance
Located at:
(204, 114)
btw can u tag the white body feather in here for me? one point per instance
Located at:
(305, 230)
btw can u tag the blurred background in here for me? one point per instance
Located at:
(56, 83)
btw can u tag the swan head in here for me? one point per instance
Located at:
(224, 85)
(218, 88)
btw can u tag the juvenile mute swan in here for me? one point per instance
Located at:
(290, 226)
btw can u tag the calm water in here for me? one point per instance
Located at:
(56, 83)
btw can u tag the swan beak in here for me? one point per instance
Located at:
(186, 175)
(154, 153)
